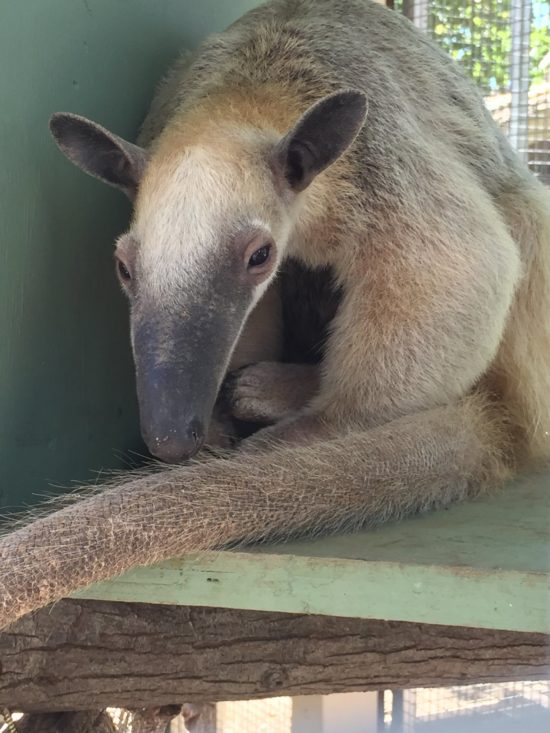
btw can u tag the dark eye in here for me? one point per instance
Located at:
(123, 272)
(260, 256)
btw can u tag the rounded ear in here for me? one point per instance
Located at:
(320, 136)
(99, 152)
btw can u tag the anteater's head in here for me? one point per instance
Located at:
(214, 210)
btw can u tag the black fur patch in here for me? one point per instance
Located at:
(310, 301)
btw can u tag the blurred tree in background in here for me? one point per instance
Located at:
(478, 33)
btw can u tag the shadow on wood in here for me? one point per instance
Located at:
(81, 722)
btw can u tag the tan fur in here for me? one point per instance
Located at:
(238, 125)
(294, 491)
(261, 339)
(270, 391)
(520, 374)
(410, 301)
(223, 154)
(435, 378)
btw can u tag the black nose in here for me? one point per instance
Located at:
(172, 445)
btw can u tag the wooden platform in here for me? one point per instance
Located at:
(482, 564)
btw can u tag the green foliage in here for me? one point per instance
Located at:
(540, 43)
(478, 34)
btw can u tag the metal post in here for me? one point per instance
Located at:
(420, 14)
(397, 712)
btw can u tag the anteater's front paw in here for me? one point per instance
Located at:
(269, 391)
(221, 432)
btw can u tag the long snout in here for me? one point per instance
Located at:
(175, 409)
(179, 369)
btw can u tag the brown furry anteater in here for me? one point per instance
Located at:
(322, 186)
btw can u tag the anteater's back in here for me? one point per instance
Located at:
(417, 96)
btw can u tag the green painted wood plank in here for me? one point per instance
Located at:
(482, 564)
(507, 530)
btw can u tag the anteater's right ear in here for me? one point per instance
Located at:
(320, 137)
(98, 152)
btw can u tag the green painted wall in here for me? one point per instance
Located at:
(67, 403)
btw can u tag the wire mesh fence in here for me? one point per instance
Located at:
(478, 707)
(504, 45)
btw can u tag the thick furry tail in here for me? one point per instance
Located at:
(406, 466)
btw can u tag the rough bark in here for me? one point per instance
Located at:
(83, 655)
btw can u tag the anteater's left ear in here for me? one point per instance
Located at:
(320, 136)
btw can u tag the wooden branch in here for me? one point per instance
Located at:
(82, 655)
